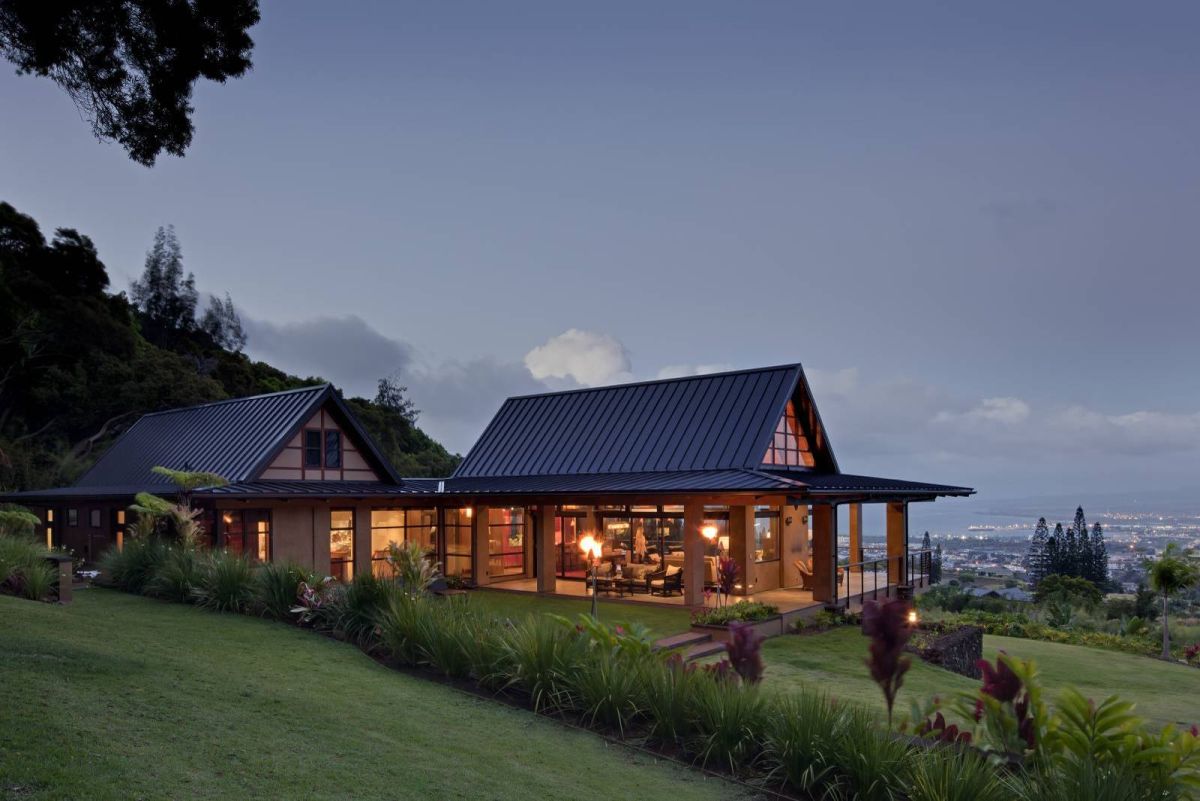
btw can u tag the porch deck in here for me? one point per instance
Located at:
(793, 602)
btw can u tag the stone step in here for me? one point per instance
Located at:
(685, 640)
(702, 650)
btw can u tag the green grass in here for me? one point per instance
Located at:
(121, 697)
(661, 620)
(833, 661)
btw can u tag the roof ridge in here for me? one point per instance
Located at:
(693, 377)
(310, 388)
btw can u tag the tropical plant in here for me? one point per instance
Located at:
(875, 763)
(177, 575)
(542, 655)
(352, 609)
(604, 688)
(742, 610)
(744, 652)
(667, 687)
(887, 625)
(946, 774)
(727, 573)
(226, 583)
(277, 586)
(19, 556)
(17, 521)
(727, 718)
(411, 567)
(799, 742)
(131, 567)
(38, 580)
(1174, 571)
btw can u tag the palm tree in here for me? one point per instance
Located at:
(1172, 572)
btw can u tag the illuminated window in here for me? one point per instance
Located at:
(262, 531)
(457, 524)
(789, 447)
(233, 524)
(120, 517)
(49, 515)
(341, 544)
(766, 534)
(506, 541)
(400, 525)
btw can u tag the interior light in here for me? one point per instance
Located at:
(709, 532)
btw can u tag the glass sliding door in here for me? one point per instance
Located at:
(506, 542)
(457, 526)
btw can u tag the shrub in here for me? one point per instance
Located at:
(604, 688)
(411, 567)
(38, 580)
(541, 655)
(399, 622)
(445, 635)
(225, 583)
(177, 575)
(726, 721)
(133, 566)
(947, 774)
(353, 609)
(799, 743)
(875, 763)
(667, 687)
(744, 651)
(22, 562)
(277, 588)
(748, 611)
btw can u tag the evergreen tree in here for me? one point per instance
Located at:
(935, 566)
(1054, 552)
(222, 323)
(164, 295)
(1099, 555)
(1035, 561)
(1069, 553)
(1083, 546)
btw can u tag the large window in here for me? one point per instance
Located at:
(234, 529)
(341, 544)
(248, 532)
(766, 534)
(789, 447)
(457, 525)
(397, 526)
(569, 560)
(506, 541)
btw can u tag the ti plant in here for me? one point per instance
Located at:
(887, 625)
(727, 573)
(744, 651)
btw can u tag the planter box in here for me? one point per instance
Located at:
(771, 627)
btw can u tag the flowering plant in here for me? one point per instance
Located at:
(310, 598)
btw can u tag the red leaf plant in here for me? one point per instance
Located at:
(887, 625)
(744, 650)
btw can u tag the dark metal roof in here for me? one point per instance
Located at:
(234, 438)
(322, 489)
(721, 421)
(836, 483)
(598, 483)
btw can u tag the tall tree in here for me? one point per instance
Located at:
(222, 323)
(130, 65)
(1055, 560)
(935, 567)
(1070, 553)
(1083, 545)
(1035, 561)
(1174, 571)
(164, 295)
(394, 397)
(1099, 555)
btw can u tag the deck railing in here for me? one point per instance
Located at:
(871, 578)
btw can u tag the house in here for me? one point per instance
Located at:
(666, 475)
(1007, 593)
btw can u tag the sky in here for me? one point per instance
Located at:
(976, 227)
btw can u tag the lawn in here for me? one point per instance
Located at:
(661, 620)
(833, 661)
(121, 697)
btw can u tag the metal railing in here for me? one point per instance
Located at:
(873, 578)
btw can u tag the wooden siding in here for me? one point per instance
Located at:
(289, 464)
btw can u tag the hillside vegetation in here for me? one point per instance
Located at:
(79, 363)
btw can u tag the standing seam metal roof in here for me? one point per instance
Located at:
(719, 421)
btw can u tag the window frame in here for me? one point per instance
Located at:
(307, 448)
(353, 560)
(73, 518)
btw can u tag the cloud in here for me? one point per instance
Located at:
(588, 358)
(680, 370)
(345, 350)
(1003, 411)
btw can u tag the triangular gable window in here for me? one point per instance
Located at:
(789, 447)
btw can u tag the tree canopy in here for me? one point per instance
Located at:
(130, 65)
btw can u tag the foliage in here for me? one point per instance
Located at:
(277, 587)
(542, 655)
(945, 774)
(887, 625)
(18, 556)
(132, 567)
(745, 611)
(38, 580)
(17, 521)
(165, 296)
(1072, 590)
(352, 609)
(729, 719)
(1073, 551)
(394, 398)
(1174, 571)
(187, 481)
(225, 583)
(80, 366)
(177, 575)
(799, 743)
(411, 567)
(727, 573)
(744, 652)
(127, 64)
(875, 763)
(223, 324)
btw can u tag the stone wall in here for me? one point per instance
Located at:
(958, 650)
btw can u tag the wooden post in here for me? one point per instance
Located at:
(824, 552)
(544, 545)
(856, 546)
(362, 540)
(693, 554)
(897, 541)
(65, 575)
(480, 548)
(741, 547)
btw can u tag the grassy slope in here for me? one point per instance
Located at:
(118, 697)
(833, 661)
(661, 620)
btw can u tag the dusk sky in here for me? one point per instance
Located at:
(976, 227)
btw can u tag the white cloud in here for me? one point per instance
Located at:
(680, 370)
(585, 357)
(1004, 411)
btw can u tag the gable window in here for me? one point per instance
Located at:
(789, 446)
(312, 447)
(333, 448)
